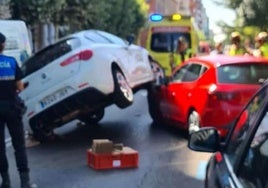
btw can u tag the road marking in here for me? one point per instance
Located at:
(201, 170)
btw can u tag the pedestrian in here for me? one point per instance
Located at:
(218, 49)
(261, 45)
(236, 48)
(11, 115)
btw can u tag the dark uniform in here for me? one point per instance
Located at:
(11, 116)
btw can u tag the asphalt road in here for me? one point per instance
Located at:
(164, 159)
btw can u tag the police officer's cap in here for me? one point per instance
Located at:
(235, 34)
(2, 38)
(262, 35)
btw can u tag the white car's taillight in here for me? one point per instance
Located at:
(83, 55)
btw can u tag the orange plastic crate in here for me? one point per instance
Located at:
(127, 158)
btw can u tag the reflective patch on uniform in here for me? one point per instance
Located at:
(7, 71)
(5, 64)
(4, 78)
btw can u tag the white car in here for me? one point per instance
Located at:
(78, 76)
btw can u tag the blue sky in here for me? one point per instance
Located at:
(217, 13)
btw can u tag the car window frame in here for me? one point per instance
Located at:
(234, 167)
(187, 68)
(249, 158)
(241, 154)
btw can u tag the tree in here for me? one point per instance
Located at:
(85, 14)
(250, 12)
(120, 17)
(126, 17)
(254, 13)
(37, 11)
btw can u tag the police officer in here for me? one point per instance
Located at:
(183, 51)
(11, 116)
(262, 45)
(236, 48)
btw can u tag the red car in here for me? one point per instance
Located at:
(207, 91)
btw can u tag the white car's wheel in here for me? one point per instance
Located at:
(93, 117)
(193, 122)
(123, 94)
(40, 132)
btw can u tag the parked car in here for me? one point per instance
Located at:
(242, 159)
(18, 39)
(207, 91)
(78, 76)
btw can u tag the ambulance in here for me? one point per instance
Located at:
(18, 40)
(161, 34)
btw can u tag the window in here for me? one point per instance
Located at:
(178, 76)
(188, 73)
(49, 54)
(12, 43)
(167, 42)
(253, 150)
(244, 125)
(255, 166)
(242, 74)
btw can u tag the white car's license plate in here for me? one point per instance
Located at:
(54, 97)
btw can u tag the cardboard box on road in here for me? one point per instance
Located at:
(102, 146)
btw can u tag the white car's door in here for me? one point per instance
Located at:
(138, 58)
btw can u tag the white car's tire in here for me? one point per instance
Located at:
(92, 118)
(193, 122)
(39, 132)
(123, 95)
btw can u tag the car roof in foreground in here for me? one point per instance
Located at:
(218, 60)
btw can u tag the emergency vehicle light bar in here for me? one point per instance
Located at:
(176, 17)
(159, 17)
(156, 17)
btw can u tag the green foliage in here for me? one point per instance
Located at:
(255, 13)
(120, 17)
(250, 12)
(125, 17)
(37, 11)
